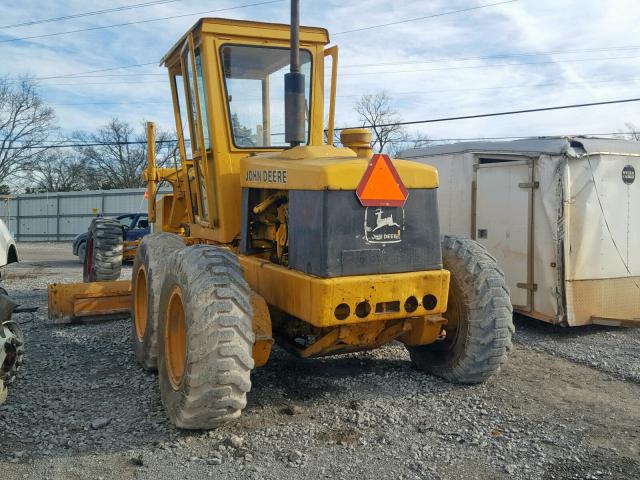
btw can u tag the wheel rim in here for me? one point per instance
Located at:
(140, 303)
(175, 338)
(82, 250)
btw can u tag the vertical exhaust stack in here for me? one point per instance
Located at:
(294, 101)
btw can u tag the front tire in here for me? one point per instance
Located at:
(479, 317)
(149, 269)
(104, 247)
(206, 338)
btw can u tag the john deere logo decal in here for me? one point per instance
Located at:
(383, 224)
(628, 174)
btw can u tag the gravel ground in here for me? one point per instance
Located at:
(567, 405)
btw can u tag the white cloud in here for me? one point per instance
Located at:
(442, 88)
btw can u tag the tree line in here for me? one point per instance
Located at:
(114, 156)
(32, 158)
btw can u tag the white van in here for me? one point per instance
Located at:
(8, 249)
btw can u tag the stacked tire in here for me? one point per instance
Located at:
(104, 249)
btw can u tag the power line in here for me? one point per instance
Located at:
(515, 137)
(68, 143)
(474, 67)
(360, 65)
(503, 87)
(89, 14)
(490, 57)
(497, 114)
(97, 71)
(146, 102)
(82, 84)
(139, 21)
(452, 12)
(420, 93)
(466, 67)
(95, 144)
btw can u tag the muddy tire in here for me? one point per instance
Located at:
(479, 314)
(206, 338)
(149, 269)
(11, 355)
(103, 255)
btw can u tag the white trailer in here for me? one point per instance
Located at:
(561, 216)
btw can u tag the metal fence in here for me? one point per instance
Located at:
(61, 216)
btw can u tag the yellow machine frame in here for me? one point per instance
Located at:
(210, 180)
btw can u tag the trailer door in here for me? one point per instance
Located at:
(503, 213)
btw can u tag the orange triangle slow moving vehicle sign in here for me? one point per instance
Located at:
(381, 185)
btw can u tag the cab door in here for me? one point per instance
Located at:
(200, 149)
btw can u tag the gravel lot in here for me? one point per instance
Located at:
(567, 405)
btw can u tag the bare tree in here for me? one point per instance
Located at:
(376, 112)
(409, 140)
(118, 155)
(59, 170)
(632, 132)
(25, 123)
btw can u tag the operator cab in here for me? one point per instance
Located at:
(239, 66)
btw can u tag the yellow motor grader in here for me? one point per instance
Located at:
(273, 234)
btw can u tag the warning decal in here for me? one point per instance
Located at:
(381, 185)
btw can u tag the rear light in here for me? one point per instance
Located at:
(411, 304)
(363, 309)
(429, 302)
(342, 311)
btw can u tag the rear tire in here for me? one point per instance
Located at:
(103, 257)
(206, 338)
(479, 314)
(149, 269)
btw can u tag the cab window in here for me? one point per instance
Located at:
(254, 84)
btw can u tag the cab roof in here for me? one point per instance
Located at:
(239, 29)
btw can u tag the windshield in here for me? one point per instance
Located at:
(125, 221)
(254, 82)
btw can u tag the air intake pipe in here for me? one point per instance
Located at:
(294, 100)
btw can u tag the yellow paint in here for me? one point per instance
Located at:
(129, 250)
(261, 329)
(314, 299)
(175, 338)
(424, 330)
(323, 168)
(358, 140)
(68, 302)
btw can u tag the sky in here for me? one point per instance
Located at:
(517, 55)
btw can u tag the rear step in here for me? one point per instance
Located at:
(84, 301)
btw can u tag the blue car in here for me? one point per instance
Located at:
(134, 227)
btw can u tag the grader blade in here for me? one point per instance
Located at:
(89, 301)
